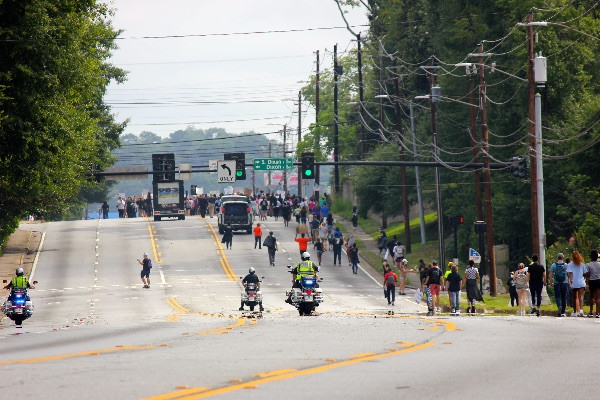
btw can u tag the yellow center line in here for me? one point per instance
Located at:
(226, 266)
(80, 354)
(295, 374)
(180, 393)
(227, 272)
(152, 240)
(224, 329)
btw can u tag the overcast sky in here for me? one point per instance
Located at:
(257, 75)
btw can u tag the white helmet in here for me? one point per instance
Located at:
(405, 261)
(251, 270)
(305, 256)
(20, 271)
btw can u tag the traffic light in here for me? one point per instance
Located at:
(193, 190)
(308, 166)
(454, 220)
(240, 164)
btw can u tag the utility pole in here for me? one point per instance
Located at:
(380, 91)
(269, 173)
(317, 90)
(317, 170)
(475, 145)
(336, 155)
(284, 155)
(540, 181)
(535, 236)
(299, 140)
(438, 190)
(417, 176)
(399, 132)
(361, 98)
(487, 176)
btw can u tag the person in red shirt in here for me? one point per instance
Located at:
(389, 280)
(303, 243)
(257, 236)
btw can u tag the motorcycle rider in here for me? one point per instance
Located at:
(251, 278)
(20, 282)
(302, 269)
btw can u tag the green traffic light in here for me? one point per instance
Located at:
(238, 173)
(308, 172)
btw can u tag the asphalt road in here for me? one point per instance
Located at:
(96, 333)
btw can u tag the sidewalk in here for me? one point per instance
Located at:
(20, 251)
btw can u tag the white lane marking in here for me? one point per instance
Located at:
(162, 276)
(37, 255)
(370, 276)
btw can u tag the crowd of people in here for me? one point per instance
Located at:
(130, 207)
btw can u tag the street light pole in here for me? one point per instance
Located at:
(438, 191)
(284, 155)
(487, 177)
(336, 178)
(417, 176)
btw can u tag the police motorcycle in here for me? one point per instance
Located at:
(18, 306)
(305, 295)
(251, 295)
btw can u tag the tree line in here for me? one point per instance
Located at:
(403, 39)
(55, 127)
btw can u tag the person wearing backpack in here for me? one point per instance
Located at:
(536, 275)
(558, 275)
(433, 283)
(521, 279)
(146, 264)
(389, 281)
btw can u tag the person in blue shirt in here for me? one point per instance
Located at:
(324, 211)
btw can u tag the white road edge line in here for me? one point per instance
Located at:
(370, 276)
(37, 256)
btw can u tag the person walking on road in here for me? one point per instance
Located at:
(536, 274)
(521, 279)
(576, 271)
(228, 236)
(390, 245)
(381, 241)
(319, 247)
(512, 290)
(105, 208)
(471, 279)
(454, 282)
(146, 264)
(257, 236)
(271, 244)
(121, 207)
(302, 243)
(403, 272)
(353, 256)
(433, 281)
(389, 282)
(338, 241)
(211, 205)
(558, 275)
(593, 269)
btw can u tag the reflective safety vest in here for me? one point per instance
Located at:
(19, 282)
(305, 268)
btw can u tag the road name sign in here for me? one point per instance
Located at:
(125, 171)
(475, 256)
(226, 171)
(273, 164)
(212, 165)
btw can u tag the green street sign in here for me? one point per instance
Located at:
(273, 164)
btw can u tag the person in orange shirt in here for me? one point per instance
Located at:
(303, 242)
(257, 236)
